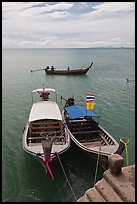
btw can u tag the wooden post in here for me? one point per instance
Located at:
(115, 163)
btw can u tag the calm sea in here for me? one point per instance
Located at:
(23, 177)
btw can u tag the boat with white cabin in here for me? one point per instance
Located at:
(44, 134)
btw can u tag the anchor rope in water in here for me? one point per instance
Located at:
(41, 162)
(66, 177)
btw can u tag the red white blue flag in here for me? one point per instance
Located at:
(90, 98)
(90, 101)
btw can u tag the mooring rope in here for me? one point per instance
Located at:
(97, 166)
(66, 177)
(125, 144)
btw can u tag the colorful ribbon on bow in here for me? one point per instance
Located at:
(48, 167)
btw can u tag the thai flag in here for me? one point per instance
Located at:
(90, 98)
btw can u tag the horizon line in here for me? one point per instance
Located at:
(64, 47)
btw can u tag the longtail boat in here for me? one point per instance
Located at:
(88, 135)
(44, 135)
(68, 71)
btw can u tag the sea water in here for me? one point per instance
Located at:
(23, 177)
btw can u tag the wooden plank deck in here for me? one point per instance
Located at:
(113, 187)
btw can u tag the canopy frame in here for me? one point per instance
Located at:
(40, 90)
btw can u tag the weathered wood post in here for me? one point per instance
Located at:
(115, 163)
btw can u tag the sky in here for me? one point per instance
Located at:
(68, 24)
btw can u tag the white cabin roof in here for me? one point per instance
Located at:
(45, 110)
(44, 89)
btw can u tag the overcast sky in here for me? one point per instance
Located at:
(68, 24)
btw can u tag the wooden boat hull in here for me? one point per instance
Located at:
(94, 147)
(44, 135)
(69, 72)
(66, 72)
(103, 160)
(92, 138)
(93, 152)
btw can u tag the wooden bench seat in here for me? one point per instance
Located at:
(45, 127)
(90, 144)
(90, 140)
(44, 138)
(85, 132)
(45, 132)
(45, 123)
(83, 129)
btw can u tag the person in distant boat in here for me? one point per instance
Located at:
(52, 68)
(46, 68)
(68, 68)
(130, 80)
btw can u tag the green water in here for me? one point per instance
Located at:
(23, 177)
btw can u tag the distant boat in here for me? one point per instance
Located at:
(45, 135)
(88, 135)
(67, 71)
(131, 80)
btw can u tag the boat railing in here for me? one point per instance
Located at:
(47, 94)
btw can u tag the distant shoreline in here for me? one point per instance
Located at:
(73, 48)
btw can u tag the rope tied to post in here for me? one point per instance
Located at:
(126, 149)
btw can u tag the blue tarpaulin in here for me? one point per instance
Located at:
(79, 111)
